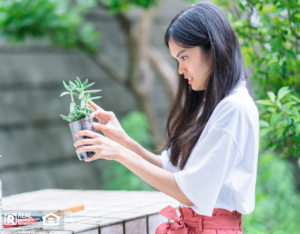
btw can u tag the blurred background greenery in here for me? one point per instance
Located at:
(268, 31)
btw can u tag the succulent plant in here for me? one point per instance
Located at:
(84, 110)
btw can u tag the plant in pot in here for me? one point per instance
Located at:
(79, 115)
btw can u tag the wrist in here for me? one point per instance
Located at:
(129, 143)
(123, 154)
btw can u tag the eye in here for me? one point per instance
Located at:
(184, 57)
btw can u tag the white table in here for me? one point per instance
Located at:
(106, 212)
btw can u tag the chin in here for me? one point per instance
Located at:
(197, 89)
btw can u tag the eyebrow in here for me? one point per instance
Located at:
(180, 52)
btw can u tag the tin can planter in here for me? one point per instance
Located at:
(82, 124)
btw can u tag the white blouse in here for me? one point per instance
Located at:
(221, 170)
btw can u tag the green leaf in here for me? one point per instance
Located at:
(64, 93)
(296, 138)
(76, 94)
(66, 86)
(271, 96)
(273, 119)
(70, 119)
(265, 131)
(271, 109)
(263, 123)
(79, 81)
(295, 98)
(82, 112)
(72, 84)
(297, 128)
(92, 91)
(72, 105)
(89, 85)
(265, 102)
(289, 103)
(82, 103)
(278, 103)
(92, 98)
(87, 109)
(278, 10)
(87, 96)
(282, 92)
(242, 6)
(85, 82)
(77, 107)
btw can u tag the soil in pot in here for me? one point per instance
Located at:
(82, 124)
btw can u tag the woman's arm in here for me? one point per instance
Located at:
(140, 151)
(157, 177)
(110, 150)
(112, 129)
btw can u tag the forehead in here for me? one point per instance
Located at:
(176, 49)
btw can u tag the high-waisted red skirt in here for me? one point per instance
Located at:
(222, 222)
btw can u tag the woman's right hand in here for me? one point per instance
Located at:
(108, 124)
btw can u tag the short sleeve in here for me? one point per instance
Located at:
(165, 161)
(209, 166)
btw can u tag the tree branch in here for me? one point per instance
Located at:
(165, 71)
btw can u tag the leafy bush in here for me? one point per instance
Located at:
(276, 201)
(61, 22)
(280, 122)
(268, 32)
(84, 110)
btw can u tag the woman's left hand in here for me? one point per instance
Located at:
(102, 146)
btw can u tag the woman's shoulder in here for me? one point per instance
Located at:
(238, 108)
(238, 100)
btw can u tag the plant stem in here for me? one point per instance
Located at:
(72, 96)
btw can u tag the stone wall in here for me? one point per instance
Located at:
(35, 141)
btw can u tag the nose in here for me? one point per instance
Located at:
(180, 69)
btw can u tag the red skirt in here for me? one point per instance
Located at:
(222, 222)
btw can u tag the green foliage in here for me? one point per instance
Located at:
(61, 22)
(280, 122)
(276, 201)
(116, 6)
(84, 110)
(136, 126)
(117, 177)
(269, 33)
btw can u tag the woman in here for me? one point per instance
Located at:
(211, 161)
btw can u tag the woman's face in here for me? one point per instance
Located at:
(192, 64)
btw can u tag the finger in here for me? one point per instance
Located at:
(88, 149)
(94, 106)
(88, 133)
(90, 159)
(99, 113)
(101, 127)
(86, 142)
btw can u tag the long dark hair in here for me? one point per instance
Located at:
(202, 25)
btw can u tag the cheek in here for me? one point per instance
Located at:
(201, 70)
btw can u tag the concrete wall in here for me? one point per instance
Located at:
(35, 142)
